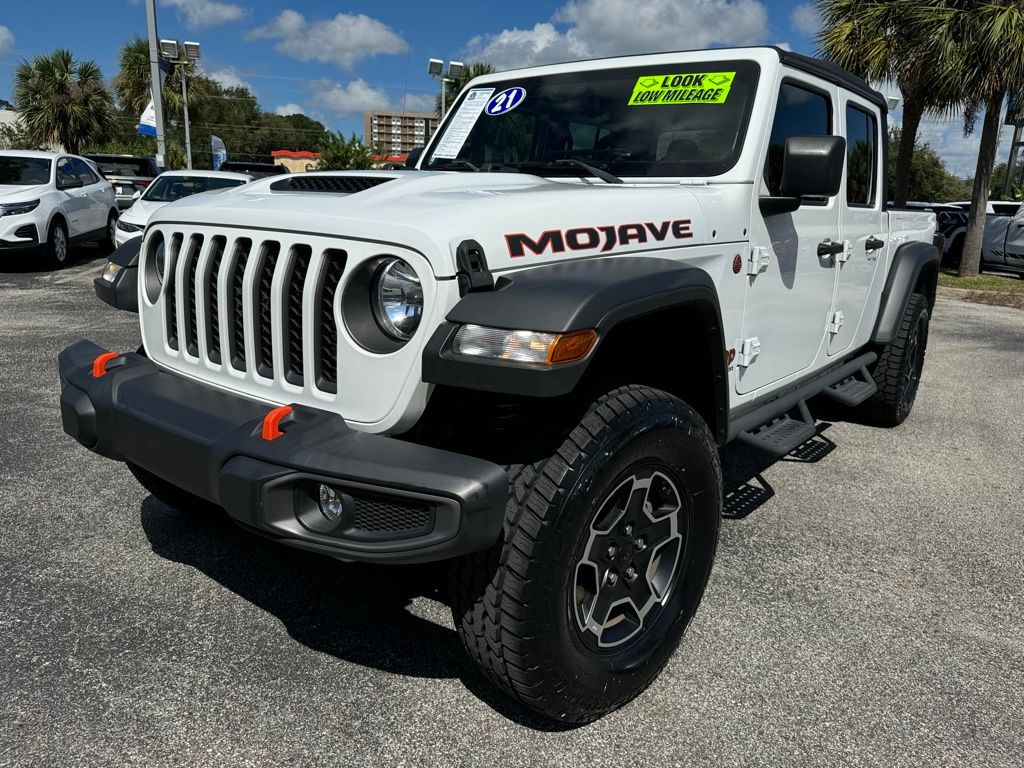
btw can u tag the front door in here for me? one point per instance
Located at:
(75, 203)
(860, 207)
(787, 305)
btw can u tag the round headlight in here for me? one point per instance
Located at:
(397, 298)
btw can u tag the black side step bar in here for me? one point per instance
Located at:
(783, 433)
(853, 390)
(776, 424)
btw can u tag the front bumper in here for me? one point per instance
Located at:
(404, 502)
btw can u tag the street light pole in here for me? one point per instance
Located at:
(435, 68)
(157, 84)
(184, 101)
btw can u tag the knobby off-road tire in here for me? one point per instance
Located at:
(531, 609)
(170, 494)
(898, 369)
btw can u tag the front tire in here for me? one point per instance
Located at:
(57, 244)
(898, 370)
(109, 238)
(606, 550)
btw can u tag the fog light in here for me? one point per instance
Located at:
(331, 505)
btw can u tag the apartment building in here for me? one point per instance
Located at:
(395, 133)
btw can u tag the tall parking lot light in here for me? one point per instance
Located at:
(435, 68)
(184, 55)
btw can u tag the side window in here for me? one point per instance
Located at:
(800, 112)
(861, 157)
(65, 172)
(83, 171)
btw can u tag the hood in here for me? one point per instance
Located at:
(140, 211)
(518, 219)
(20, 193)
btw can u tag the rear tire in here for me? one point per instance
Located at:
(170, 494)
(109, 242)
(637, 484)
(898, 369)
(57, 244)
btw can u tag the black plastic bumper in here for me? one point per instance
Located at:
(403, 502)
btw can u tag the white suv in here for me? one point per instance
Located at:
(49, 201)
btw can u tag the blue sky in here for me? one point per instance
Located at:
(332, 60)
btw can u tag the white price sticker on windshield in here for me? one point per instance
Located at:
(462, 123)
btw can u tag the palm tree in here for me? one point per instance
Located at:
(882, 40)
(454, 87)
(979, 46)
(63, 101)
(131, 83)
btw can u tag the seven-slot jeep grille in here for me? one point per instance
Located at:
(261, 299)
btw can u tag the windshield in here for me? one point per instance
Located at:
(123, 166)
(24, 170)
(665, 120)
(167, 189)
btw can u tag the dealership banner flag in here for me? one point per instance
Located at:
(147, 121)
(220, 151)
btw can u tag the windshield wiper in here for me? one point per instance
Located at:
(569, 162)
(455, 164)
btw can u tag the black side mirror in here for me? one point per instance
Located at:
(72, 182)
(812, 166)
(413, 157)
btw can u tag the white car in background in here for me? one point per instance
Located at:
(50, 201)
(166, 188)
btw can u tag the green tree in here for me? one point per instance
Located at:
(453, 88)
(339, 154)
(14, 136)
(980, 47)
(61, 100)
(881, 40)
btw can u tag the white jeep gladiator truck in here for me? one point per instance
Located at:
(521, 355)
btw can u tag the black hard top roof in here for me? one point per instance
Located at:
(829, 70)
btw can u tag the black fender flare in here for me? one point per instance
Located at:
(911, 263)
(566, 297)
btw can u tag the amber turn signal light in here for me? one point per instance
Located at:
(569, 347)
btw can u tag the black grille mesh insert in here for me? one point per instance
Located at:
(295, 288)
(327, 327)
(378, 516)
(188, 294)
(263, 310)
(217, 244)
(305, 183)
(171, 301)
(236, 338)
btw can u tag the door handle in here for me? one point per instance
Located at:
(829, 247)
(1020, 226)
(873, 244)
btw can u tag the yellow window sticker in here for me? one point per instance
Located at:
(691, 88)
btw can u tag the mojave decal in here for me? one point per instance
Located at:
(604, 238)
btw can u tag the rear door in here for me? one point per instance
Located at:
(1013, 253)
(788, 304)
(860, 207)
(96, 193)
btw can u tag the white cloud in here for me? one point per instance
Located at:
(284, 110)
(206, 13)
(6, 40)
(228, 77)
(806, 20)
(589, 28)
(342, 41)
(357, 96)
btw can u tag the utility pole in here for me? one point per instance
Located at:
(184, 101)
(157, 84)
(1014, 117)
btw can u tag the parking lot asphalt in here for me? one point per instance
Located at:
(865, 607)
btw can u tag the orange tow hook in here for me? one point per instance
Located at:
(272, 422)
(99, 365)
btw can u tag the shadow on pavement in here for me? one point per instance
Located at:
(357, 613)
(80, 255)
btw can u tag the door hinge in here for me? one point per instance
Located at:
(835, 323)
(758, 261)
(846, 254)
(749, 349)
